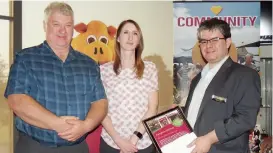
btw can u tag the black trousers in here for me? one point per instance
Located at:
(105, 148)
(26, 144)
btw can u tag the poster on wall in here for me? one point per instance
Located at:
(244, 20)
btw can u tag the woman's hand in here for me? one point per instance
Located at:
(125, 146)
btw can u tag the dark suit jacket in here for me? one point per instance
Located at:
(232, 119)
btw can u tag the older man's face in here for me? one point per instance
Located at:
(59, 30)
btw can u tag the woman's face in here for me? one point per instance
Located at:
(129, 37)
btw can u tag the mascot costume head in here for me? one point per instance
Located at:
(95, 40)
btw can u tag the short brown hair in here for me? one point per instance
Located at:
(213, 24)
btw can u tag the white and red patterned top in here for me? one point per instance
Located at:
(128, 100)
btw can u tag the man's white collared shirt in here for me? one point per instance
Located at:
(207, 75)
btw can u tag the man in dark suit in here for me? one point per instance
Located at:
(224, 98)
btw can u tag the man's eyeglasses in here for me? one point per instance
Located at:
(204, 42)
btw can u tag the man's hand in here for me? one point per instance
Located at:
(125, 146)
(202, 145)
(61, 124)
(78, 129)
(69, 117)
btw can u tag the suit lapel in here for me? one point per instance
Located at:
(215, 84)
(193, 85)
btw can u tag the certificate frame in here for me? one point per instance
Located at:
(166, 127)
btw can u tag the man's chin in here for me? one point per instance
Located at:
(63, 45)
(57, 45)
(212, 60)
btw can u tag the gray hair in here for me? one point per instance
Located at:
(61, 7)
(214, 24)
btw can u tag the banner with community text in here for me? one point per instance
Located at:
(244, 19)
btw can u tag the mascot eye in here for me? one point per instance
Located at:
(90, 39)
(104, 39)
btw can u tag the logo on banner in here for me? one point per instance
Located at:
(216, 9)
(233, 21)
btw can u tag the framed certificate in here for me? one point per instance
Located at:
(169, 130)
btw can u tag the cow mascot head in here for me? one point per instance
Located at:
(95, 40)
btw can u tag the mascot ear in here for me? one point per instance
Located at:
(112, 31)
(233, 52)
(197, 57)
(80, 28)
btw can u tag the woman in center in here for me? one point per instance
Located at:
(131, 86)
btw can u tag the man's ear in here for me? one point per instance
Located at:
(228, 42)
(44, 25)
